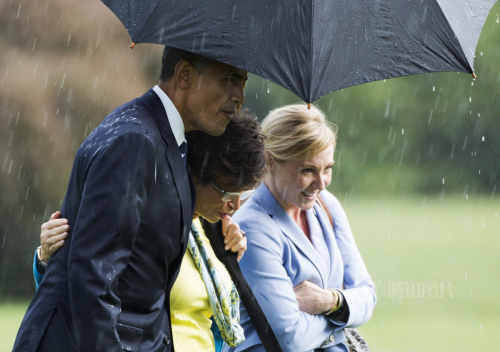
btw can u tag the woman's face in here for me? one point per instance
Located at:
(298, 183)
(209, 204)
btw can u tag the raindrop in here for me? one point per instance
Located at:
(443, 180)
(403, 131)
(483, 138)
(470, 99)
(433, 88)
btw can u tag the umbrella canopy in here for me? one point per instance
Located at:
(314, 47)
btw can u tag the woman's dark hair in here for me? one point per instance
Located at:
(236, 159)
(171, 56)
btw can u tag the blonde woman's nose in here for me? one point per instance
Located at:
(321, 181)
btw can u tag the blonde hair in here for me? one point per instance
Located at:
(294, 132)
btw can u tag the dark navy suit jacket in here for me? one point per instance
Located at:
(130, 203)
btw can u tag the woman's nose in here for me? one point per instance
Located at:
(321, 182)
(235, 203)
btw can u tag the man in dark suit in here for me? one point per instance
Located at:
(130, 202)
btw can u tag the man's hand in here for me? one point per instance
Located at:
(233, 237)
(52, 236)
(313, 299)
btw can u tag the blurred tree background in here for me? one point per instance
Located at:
(65, 65)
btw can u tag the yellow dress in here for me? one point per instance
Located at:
(189, 305)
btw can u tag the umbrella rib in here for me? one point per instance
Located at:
(309, 98)
(137, 40)
(469, 66)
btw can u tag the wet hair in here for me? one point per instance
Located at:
(171, 56)
(294, 132)
(236, 159)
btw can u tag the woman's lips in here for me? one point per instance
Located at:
(309, 197)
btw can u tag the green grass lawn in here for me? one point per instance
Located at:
(412, 242)
(11, 315)
(431, 241)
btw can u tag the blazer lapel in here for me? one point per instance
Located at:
(336, 269)
(180, 175)
(289, 228)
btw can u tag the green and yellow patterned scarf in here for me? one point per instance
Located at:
(225, 308)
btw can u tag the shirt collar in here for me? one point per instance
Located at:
(174, 118)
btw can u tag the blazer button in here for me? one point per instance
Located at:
(166, 340)
(332, 338)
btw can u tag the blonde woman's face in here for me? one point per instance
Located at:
(298, 183)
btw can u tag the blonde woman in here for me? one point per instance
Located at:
(308, 277)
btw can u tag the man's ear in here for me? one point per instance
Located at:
(183, 73)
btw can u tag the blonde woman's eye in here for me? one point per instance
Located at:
(306, 171)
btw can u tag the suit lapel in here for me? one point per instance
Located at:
(336, 269)
(181, 176)
(290, 229)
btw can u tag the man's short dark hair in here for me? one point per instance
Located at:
(171, 56)
(236, 159)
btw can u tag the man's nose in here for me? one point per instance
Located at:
(239, 95)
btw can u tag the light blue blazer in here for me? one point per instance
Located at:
(279, 257)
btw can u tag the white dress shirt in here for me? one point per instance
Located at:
(174, 118)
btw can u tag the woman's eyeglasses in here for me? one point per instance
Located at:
(231, 195)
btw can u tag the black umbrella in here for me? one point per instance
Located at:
(314, 47)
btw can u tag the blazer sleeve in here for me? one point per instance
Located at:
(114, 195)
(359, 289)
(263, 268)
(38, 276)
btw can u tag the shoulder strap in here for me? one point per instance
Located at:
(257, 316)
(322, 204)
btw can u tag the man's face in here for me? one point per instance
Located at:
(214, 96)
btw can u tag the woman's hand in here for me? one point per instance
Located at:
(52, 237)
(313, 299)
(233, 237)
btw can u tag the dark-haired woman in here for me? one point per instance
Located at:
(225, 171)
